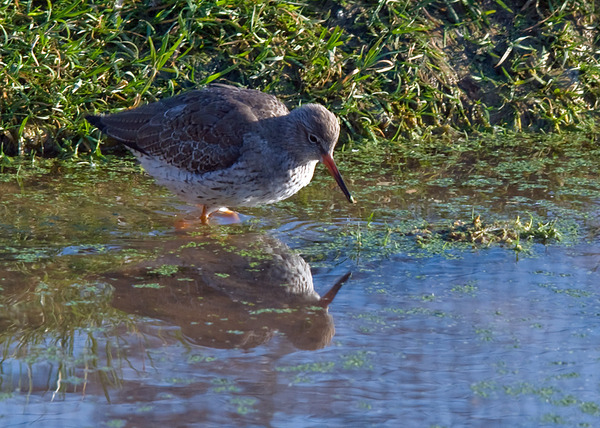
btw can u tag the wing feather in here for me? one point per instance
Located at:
(201, 130)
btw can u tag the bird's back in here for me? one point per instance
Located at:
(199, 131)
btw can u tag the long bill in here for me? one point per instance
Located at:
(330, 164)
(330, 295)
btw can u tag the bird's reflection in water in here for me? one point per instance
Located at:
(232, 291)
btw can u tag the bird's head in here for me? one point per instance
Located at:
(314, 134)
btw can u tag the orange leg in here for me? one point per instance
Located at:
(182, 224)
(204, 215)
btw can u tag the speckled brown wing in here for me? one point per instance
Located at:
(200, 131)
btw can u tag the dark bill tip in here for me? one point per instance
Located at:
(330, 164)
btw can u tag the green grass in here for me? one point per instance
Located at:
(390, 70)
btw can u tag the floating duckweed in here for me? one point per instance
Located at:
(165, 270)
(308, 368)
(154, 285)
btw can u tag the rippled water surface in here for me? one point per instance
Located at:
(117, 308)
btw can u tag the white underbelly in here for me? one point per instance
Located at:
(232, 187)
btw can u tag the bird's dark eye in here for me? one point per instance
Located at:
(313, 138)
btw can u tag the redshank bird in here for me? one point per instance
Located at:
(224, 146)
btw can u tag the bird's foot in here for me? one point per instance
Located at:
(227, 216)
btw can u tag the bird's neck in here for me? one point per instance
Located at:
(283, 133)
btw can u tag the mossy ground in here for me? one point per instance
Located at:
(389, 70)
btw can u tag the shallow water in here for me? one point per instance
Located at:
(118, 309)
